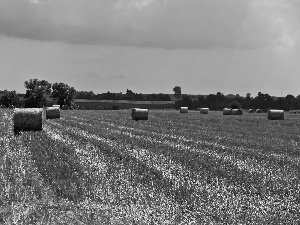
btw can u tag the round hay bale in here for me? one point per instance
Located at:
(274, 114)
(204, 110)
(259, 111)
(226, 111)
(236, 112)
(64, 107)
(139, 114)
(251, 111)
(52, 113)
(184, 109)
(28, 119)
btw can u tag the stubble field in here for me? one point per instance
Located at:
(101, 167)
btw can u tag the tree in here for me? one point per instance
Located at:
(177, 91)
(10, 98)
(62, 94)
(35, 93)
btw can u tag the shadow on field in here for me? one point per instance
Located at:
(57, 164)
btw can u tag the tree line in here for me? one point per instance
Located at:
(219, 101)
(129, 95)
(35, 96)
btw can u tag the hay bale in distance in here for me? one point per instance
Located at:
(139, 114)
(52, 113)
(259, 111)
(28, 119)
(236, 112)
(204, 110)
(64, 107)
(184, 109)
(226, 111)
(3, 107)
(274, 114)
(251, 111)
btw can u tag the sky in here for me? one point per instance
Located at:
(151, 46)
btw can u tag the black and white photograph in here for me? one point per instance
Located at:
(149, 112)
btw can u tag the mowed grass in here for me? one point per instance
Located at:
(101, 167)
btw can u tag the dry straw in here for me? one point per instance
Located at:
(236, 112)
(204, 110)
(184, 109)
(274, 114)
(28, 119)
(52, 113)
(226, 111)
(139, 114)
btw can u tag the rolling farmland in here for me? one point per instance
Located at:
(101, 167)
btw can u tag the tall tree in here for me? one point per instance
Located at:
(10, 98)
(62, 94)
(35, 93)
(177, 91)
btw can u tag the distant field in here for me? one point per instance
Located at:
(123, 104)
(101, 167)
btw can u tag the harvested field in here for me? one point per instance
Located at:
(101, 167)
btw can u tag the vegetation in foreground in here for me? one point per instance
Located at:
(100, 167)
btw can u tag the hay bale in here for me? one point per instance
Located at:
(52, 112)
(58, 106)
(3, 107)
(236, 112)
(274, 114)
(204, 110)
(64, 107)
(184, 109)
(259, 111)
(226, 111)
(139, 114)
(251, 111)
(28, 119)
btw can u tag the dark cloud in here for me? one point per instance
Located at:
(154, 23)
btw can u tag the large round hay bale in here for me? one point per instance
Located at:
(204, 110)
(251, 111)
(52, 113)
(236, 112)
(274, 114)
(184, 109)
(64, 107)
(139, 114)
(28, 119)
(259, 111)
(226, 111)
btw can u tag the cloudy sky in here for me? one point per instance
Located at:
(150, 46)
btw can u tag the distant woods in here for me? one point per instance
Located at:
(40, 93)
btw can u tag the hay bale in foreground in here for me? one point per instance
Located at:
(274, 114)
(64, 107)
(52, 112)
(28, 119)
(139, 114)
(259, 111)
(236, 112)
(204, 110)
(251, 111)
(184, 109)
(226, 111)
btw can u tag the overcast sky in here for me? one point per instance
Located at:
(150, 46)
